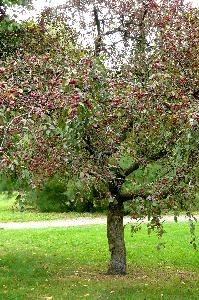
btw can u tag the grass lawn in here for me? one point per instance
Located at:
(8, 214)
(70, 263)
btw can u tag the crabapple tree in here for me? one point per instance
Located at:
(128, 132)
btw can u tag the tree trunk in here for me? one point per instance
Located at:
(115, 234)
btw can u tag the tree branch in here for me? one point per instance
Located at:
(89, 146)
(131, 169)
(2, 13)
(131, 196)
(98, 40)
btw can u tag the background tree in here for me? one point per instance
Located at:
(4, 4)
(63, 111)
(9, 28)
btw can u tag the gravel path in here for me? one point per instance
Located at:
(73, 222)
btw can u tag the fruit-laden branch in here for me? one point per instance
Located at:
(6, 131)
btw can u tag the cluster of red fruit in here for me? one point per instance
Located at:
(76, 97)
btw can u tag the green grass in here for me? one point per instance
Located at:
(70, 264)
(8, 214)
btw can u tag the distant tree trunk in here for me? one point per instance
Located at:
(115, 234)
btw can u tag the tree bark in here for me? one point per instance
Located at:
(115, 235)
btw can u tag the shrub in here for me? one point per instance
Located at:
(61, 195)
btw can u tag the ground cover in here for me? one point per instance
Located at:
(70, 263)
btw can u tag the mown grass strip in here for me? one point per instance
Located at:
(70, 263)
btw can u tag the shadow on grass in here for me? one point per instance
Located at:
(41, 276)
